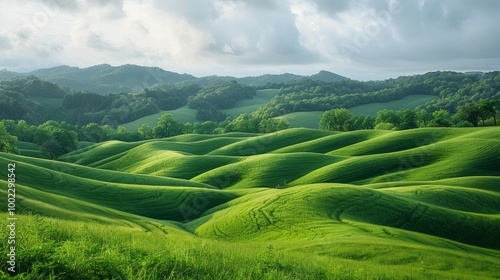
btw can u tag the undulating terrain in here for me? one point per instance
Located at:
(298, 203)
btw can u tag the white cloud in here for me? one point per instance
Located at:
(242, 37)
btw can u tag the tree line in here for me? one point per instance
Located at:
(23, 99)
(475, 114)
(57, 138)
(452, 89)
(19, 97)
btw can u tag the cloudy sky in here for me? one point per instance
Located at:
(367, 39)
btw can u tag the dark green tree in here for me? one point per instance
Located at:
(368, 122)
(51, 148)
(167, 126)
(408, 119)
(441, 118)
(336, 120)
(188, 128)
(388, 116)
(423, 117)
(145, 131)
(92, 132)
(8, 143)
(207, 127)
(487, 109)
(469, 112)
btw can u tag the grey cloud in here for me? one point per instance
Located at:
(332, 7)
(197, 12)
(267, 5)
(54, 6)
(438, 33)
(98, 43)
(5, 43)
(259, 37)
(423, 35)
(110, 9)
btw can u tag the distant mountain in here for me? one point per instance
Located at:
(262, 80)
(269, 78)
(326, 76)
(105, 78)
(5, 75)
(249, 81)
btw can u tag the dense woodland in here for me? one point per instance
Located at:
(453, 89)
(56, 118)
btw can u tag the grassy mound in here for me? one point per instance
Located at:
(294, 204)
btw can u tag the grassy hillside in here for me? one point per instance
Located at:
(250, 105)
(185, 114)
(296, 119)
(407, 102)
(296, 204)
(303, 119)
(311, 119)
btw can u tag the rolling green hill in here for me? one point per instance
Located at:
(295, 204)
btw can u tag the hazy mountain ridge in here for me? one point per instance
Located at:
(104, 78)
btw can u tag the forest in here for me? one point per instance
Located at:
(57, 118)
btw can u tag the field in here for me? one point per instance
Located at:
(311, 119)
(185, 114)
(249, 105)
(303, 119)
(296, 119)
(407, 102)
(295, 204)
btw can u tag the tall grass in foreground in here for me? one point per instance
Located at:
(56, 249)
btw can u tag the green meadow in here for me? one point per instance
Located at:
(311, 119)
(294, 204)
(297, 119)
(303, 119)
(261, 98)
(407, 102)
(185, 114)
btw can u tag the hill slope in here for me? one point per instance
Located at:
(425, 202)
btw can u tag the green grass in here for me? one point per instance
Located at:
(296, 119)
(266, 170)
(407, 102)
(311, 119)
(270, 142)
(75, 250)
(295, 204)
(303, 119)
(29, 149)
(185, 114)
(182, 114)
(250, 105)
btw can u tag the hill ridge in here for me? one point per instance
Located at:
(387, 199)
(105, 78)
